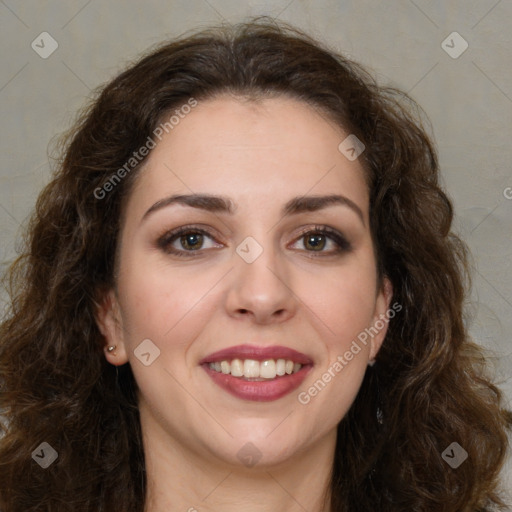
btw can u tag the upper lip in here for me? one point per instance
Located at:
(257, 353)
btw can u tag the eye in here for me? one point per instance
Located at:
(186, 240)
(190, 241)
(322, 237)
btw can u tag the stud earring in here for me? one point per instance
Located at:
(111, 348)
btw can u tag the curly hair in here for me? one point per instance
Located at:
(429, 382)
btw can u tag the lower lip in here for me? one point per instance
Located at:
(259, 391)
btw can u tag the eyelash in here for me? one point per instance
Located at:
(165, 241)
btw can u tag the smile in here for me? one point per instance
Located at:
(255, 373)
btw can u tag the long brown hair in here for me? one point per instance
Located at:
(428, 384)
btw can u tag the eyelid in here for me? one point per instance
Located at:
(340, 240)
(164, 241)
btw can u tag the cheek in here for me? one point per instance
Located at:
(346, 308)
(345, 301)
(165, 305)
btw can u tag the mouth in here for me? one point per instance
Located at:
(257, 373)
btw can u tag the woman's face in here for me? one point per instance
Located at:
(254, 286)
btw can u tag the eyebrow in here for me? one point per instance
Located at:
(221, 204)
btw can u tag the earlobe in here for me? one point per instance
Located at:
(382, 317)
(109, 323)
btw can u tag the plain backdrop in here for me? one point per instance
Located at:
(453, 57)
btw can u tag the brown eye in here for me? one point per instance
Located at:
(186, 241)
(191, 241)
(324, 241)
(315, 242)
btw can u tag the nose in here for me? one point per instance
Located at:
(261, 291)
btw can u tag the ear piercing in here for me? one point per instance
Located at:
(111, 348)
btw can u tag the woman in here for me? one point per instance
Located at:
(240, 291)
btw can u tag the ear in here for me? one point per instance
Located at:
(381, 317)
(108, 319)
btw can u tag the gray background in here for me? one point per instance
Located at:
(468, 99)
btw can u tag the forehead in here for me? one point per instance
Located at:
(248, 149)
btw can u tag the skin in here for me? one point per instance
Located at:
(260, 155)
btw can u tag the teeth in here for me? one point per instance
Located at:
(268, 369)
(237, 368)
(252, 369)
(225, 367)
